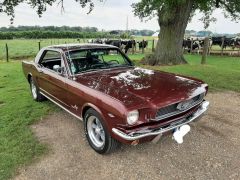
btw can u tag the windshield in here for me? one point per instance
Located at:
(95, 59)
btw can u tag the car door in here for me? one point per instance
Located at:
(52, 83)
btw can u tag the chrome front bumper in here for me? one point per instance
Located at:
(141, 134)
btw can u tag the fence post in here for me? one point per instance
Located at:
(153, 45)
(222, 46)
(39, 45)
(133, 46)
(143, 46)
(191, 45)
(205, 50)
(7, 58)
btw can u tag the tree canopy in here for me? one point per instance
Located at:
(143, 9)
(151, 8)
(8, 7)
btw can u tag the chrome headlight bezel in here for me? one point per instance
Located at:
(132, 117)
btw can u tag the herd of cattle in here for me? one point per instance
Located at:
(188, 44)
(197, 43)
(122, 44)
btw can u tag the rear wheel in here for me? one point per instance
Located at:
(37, 96)
(97, 135)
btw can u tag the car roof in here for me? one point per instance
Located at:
(71, 47)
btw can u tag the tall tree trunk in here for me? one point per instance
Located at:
(173, 23)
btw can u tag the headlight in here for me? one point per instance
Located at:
(132, 117)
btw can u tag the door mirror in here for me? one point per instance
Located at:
(58, 69)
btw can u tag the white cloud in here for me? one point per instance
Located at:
(109, 15)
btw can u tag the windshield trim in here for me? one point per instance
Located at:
(131, 64)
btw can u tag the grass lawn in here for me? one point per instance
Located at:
(18, 145)
(25, 48)
(17, 109)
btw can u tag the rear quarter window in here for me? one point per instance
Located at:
(52, 55)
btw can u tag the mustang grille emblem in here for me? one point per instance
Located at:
(184, 105)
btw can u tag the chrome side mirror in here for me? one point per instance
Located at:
(58, 69)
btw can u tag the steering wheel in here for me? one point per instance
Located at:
(113, 61)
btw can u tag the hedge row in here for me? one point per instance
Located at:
(51, 34)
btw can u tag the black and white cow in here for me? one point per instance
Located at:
(128, 44)
(142, 44)
(236, 42)
(113, 42)
(196, 44)
(219, 40)
(96, 41)
(122, 44)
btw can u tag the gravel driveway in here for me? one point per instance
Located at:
(210, 151)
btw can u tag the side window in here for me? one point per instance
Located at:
(50, 55)
(51, 60)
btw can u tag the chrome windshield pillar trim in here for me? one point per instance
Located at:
(138, 135)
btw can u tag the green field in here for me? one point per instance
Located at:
(18, 145)
(18, 111)
(28, 48)
(25, 48)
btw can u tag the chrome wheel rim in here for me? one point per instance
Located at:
(34, 90)
(95, 131)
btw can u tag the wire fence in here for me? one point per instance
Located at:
(28, 48)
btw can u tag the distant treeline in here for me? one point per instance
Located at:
(51, 34)
(36, 32)
(48, 28)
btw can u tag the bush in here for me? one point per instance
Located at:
(51, 34)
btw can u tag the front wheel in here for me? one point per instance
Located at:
(97, 135)
(37, 96)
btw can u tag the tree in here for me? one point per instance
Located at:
(173, 17)
(8, 6)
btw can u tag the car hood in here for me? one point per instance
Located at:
(138, 87)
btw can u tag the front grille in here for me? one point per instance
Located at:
(178, 108)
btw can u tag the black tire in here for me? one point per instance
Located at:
(37, 96)
(109, 145)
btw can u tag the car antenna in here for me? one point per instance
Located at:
(71, 62)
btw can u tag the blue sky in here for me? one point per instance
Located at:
(111, 14)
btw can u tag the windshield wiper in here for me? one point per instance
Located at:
(122, 65)
(89, 70)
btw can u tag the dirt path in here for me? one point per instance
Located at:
(210, 151)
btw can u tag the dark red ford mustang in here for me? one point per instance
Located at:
(117, 101)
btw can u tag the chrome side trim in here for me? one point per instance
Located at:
(61, 106)
(137, 135)
(42, 90)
